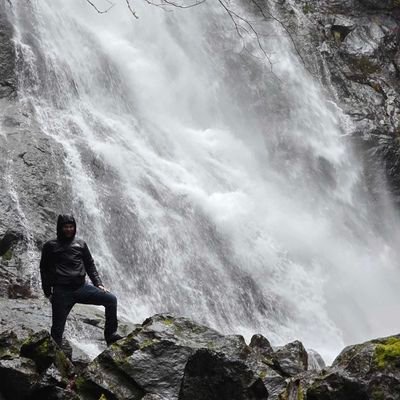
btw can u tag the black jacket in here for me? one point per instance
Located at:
(66, 261)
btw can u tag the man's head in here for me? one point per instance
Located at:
(66, 227)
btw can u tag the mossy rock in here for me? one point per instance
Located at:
(308, 8)
(8, 255)
(90, 391)
(9, 345)
(364, 66)
(41, 348)
(387, 354)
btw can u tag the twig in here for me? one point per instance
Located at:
(101, 11)
(169, 3)
(285, 28)
(131, 10)
(234, 17)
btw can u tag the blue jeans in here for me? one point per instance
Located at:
(64, 298)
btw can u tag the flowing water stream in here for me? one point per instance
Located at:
(204, 183)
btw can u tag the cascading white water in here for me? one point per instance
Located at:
(205, 184)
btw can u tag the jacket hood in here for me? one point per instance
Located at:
(62, 220)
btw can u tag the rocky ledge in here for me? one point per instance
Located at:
(170, 358)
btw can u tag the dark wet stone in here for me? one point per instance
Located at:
(212, 376)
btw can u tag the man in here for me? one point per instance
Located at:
(64, 264)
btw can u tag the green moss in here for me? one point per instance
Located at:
(80, 382)
(388, 353)
(262, 375)
(365, 66)
(103, 397)
(62, 363)
(7, 256)
(43, 348)
(337, 36)
(378, 394)
(268, 361)
(168, 321)
(147, 343)
(178, 330)
(300, 393)
(308, 8)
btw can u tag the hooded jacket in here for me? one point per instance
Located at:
(66, 261)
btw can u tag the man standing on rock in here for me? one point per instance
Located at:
(63, 267)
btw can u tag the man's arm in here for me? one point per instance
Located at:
(91, 267)
(45, 273)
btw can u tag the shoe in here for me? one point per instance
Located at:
(113, 338)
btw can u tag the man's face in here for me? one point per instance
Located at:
(68, 230)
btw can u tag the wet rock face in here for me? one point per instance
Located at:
(210, 375)
(353, 47)
(369, 370)
(33, 183)
(292, 358)
(380, 4)
(168, 358)
(8, 82)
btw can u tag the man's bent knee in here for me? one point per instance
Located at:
(111, 299)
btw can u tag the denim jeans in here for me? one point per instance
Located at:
(64, 298)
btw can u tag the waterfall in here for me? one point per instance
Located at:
(205, 181)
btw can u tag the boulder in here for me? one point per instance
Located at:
(17, 378)
(8, 239)
(9, 345)
(370, 370)
(213, 376)
(152, 360)
(292, 358)
(261, 344)
(315, 360)
(41, 348)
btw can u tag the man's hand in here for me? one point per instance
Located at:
(103, 289)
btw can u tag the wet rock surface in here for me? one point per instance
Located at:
(352, 47)
(33, 182)
(169, 357)
(8, 83)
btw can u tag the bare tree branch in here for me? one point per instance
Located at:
(168, 3)
(131, 10)
(101, 11)
(248, 28)
(285, 28)
(241, 24)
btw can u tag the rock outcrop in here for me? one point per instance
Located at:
(33, 182)
(174, 358)
(352, 46)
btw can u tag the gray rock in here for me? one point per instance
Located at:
(17, 377)
(358, 64)
(213, 376)
(42, 349)
(154, 356)
(315, 361)
(261, 344)
(364, 40)
(292, 358)
(7, 56)
(9, 238)
(370, 370)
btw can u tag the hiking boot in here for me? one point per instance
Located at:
(113, 338)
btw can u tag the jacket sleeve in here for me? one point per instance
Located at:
(45, 273)
(90, 267)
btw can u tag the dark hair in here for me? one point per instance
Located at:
(62, 220)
